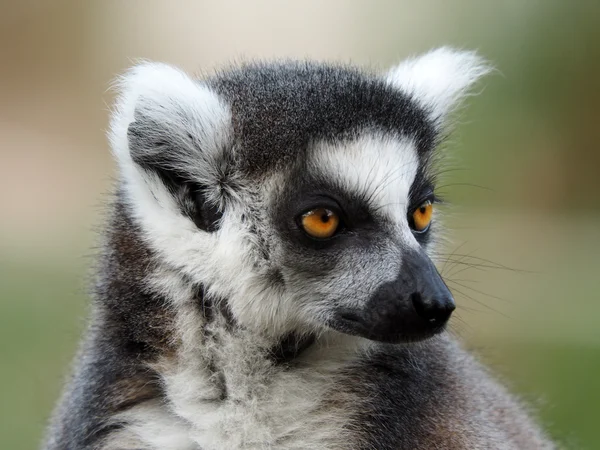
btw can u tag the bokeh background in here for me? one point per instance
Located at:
(525, 183)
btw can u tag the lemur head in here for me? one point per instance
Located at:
(299, 195)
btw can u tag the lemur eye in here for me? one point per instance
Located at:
(320, 223)
(421, 217)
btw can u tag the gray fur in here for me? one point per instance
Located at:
(215, 320)
(278, 110)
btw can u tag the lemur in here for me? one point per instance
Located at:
(266, 277)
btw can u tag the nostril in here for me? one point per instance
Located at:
(434, 312)
(418, 304)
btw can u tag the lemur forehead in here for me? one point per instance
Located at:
(379, 168)
(278, 109)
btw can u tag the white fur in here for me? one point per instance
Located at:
(439, 79)
(265, 406)
(150, 426)
(221, 260)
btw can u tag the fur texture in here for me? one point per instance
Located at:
(218, 323)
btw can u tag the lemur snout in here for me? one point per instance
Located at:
(414, 306)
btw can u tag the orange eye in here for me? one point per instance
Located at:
(422, 216)
(320, 223)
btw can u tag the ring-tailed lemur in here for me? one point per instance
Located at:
(265, 279)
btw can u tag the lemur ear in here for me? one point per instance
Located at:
(438, 80)
(171, 138)
(170, 124)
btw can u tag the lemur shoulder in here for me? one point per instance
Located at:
(266, 278)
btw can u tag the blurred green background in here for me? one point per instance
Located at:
(524, 226)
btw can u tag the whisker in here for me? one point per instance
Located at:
(485, 188)
(456, 249)
(480, 303)
(480, 292)
(499, 265)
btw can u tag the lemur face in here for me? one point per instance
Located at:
(352, 224)
(299, 195)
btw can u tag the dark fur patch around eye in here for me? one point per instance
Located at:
(422, 186)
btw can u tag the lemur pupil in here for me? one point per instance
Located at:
(325, 218)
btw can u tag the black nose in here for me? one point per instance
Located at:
(436, 311)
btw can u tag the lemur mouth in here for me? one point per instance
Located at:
(353, 323)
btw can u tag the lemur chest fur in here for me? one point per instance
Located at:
(238, 397)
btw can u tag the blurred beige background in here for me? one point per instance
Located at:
(525, 219)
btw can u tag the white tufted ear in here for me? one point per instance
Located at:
(166, 121)
(438, 80)
(171, 138)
